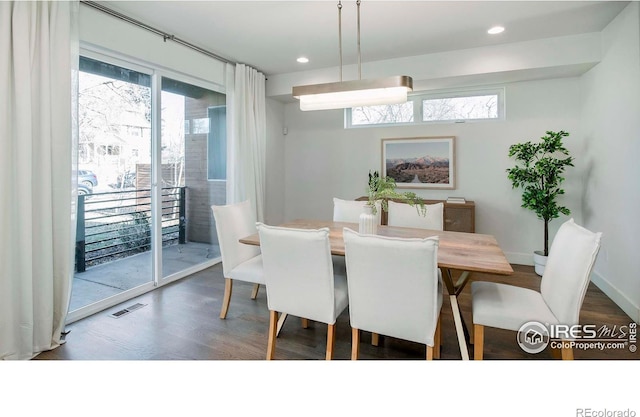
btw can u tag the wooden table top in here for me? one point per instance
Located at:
(456, 250)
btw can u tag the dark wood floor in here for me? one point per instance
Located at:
(180, 321)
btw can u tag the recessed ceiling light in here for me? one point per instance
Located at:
(303, 60)
(495, 30)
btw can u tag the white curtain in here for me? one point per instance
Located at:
(38, 46)
(246, 134)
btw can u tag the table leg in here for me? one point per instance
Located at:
(281, 320)
(457, 319)
(456, 288)
(467, 334)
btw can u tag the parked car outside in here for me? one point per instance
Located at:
(87, 178)
(84, 190)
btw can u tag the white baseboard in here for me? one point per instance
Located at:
(621, 300)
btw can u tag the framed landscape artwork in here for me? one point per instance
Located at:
(423, 162)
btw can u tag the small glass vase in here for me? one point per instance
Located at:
(368, 221)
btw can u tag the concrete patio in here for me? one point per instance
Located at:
(108, 279)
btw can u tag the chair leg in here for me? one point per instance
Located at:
(430, 350)
(375, 339)
(254, 293)
(438, 338)
(331, 340)
(478, 342)
(305, 323)
(355, 344)
(228, 287)
(271, 344)
(566, 352)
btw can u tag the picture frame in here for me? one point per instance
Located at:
(420, 162)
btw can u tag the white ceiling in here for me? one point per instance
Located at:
(270, 35)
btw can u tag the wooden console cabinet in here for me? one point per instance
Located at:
(460, 217)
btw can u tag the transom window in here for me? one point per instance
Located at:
(457, 106)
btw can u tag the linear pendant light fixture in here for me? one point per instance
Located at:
(343, 94)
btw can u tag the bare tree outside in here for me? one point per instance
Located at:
(115, 129)
(114, 124)
(460, 108)
(390, 113)
(474, 106)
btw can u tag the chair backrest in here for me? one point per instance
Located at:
(233, 222)
(298, 272)
(404, 215)
(393, 285)
(350, 210)
(566, 274)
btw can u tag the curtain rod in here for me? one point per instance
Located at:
(165, 36)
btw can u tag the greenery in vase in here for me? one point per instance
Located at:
(382, 189)
(539, 174)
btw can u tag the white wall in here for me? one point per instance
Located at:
(611, 126)
(323, 160)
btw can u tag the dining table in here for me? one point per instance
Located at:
(459, 255)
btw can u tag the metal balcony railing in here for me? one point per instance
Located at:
(117, 224)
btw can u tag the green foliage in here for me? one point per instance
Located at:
(136, 233)
(383, 189)
(539, 172)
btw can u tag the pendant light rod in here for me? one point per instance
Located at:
(359, 53)
(345, 94)
(340, 35)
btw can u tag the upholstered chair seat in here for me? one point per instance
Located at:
(562, 290)
(249, 271)
(491, 300)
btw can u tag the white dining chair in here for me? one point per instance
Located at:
(395, 289)
(299, 279)
(239, 261)
(562, 290)
(405, 215)
(349, 211)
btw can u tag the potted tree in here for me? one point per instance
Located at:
(379, 191)
(539, 172)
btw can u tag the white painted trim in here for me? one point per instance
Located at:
(617, 296)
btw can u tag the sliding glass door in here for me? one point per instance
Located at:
(152, 160)
(193, 173)
(113, 242)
